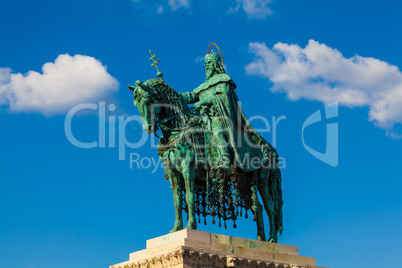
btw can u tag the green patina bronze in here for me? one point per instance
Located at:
(215, 161)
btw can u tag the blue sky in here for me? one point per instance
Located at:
(64, 206)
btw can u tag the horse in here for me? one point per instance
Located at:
(161, 107)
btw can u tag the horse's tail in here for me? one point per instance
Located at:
(275, 182)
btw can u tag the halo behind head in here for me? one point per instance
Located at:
(213, 55)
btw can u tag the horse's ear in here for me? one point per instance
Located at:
(131, 88)
(138, 83)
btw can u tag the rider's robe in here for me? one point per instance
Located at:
(218, 99)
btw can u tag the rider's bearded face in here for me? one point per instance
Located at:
(209, 68)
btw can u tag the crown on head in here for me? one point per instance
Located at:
(212, 56)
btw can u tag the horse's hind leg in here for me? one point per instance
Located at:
(268, 203)
(260, 224)
(178, 202)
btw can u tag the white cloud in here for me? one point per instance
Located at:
(176, 4)
(318, 72)
(62, 84)
(254, 8)
(160, 10)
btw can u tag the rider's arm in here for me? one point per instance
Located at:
(189, 97)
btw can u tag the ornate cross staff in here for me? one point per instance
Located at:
(155, 63)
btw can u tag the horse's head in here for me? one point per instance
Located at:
(146, 100)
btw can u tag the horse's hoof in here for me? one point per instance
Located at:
(260, 238)
(191, 226)
(272, 240)
(176, 228)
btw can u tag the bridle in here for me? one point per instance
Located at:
(161, 124)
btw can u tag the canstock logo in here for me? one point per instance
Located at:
(330, 156)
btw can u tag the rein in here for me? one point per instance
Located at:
(160, 123)
(177, 115)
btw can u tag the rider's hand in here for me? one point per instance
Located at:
(198, 105)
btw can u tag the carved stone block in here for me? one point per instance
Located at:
(191, 248)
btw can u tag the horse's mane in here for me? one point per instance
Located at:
(167, 95)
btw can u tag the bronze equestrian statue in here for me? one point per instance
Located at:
(212, 155)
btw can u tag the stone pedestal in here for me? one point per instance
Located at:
(191, 248)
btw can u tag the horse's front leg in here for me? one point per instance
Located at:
(178, 202)
(188, 171)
